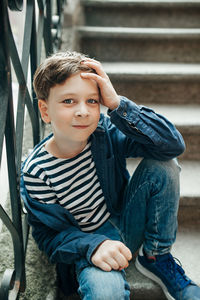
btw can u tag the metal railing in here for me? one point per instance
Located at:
(43, 20)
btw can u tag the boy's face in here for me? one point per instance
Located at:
(73, 108)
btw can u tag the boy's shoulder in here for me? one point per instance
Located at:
(35, 157)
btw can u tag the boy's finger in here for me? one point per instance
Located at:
(96, 66)
(113, 263)
(126, 252)
(104, 266)
(91, 60)
(121, 260)
(93, 76)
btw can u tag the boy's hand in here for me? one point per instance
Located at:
(109, 97)
(111, 255)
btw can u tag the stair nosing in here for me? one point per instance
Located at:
(138, 3)
(134, 32)
(149, 69)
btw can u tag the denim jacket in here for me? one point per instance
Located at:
(130, 131)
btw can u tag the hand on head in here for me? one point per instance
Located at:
(109, 97)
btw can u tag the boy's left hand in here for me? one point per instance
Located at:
(109, 97)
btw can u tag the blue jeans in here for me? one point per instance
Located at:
(149, 217)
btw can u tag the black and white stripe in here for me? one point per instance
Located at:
(73, 183)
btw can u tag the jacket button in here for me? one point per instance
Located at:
(124, 114)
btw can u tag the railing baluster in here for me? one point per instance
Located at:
(14, 280)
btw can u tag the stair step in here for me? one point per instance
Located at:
(142, 3)
(186, 118)
(136, 13)
(130, 32)
(156, 82)
(140, 44)
(149, 71)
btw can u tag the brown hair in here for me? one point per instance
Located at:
(56, 69)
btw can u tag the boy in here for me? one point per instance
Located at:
(84, 209)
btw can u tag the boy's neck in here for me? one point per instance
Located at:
(63, 150)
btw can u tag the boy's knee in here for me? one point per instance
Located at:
(101, 285)
(163, 169)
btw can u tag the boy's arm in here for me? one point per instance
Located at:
(71, 244)
(55, 233)
(148, 134)
(65, 246)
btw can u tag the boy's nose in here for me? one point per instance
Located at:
(82, 111)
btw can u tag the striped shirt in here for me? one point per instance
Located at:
(73, 183)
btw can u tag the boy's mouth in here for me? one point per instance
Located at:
(80, 126)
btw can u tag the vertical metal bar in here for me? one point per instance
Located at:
(4, 74)
(40, 30)
(47, 29)
(15, 196)
(22, 88)
(34, 62)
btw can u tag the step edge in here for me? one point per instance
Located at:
(138, 3)
(124, 32)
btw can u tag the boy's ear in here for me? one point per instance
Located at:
(43, 108)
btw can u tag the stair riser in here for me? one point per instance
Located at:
(192, 142)
(127, 49)
(132, 16)
(156, 92)
(188, 215)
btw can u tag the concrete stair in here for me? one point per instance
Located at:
(160, 83)
(151, 51)
(141, 44)
(143, 14)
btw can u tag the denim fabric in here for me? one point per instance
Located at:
(149, 217)
(151, 207)
(99, 285)
(95, 283)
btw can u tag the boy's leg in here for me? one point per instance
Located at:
(150, 218)
(95, 283)
(150, 206)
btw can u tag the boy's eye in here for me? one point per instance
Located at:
(68, 101)
(93, 101)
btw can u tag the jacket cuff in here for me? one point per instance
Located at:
(97, 240)
(127, 110)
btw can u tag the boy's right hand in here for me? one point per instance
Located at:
(111, 255)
